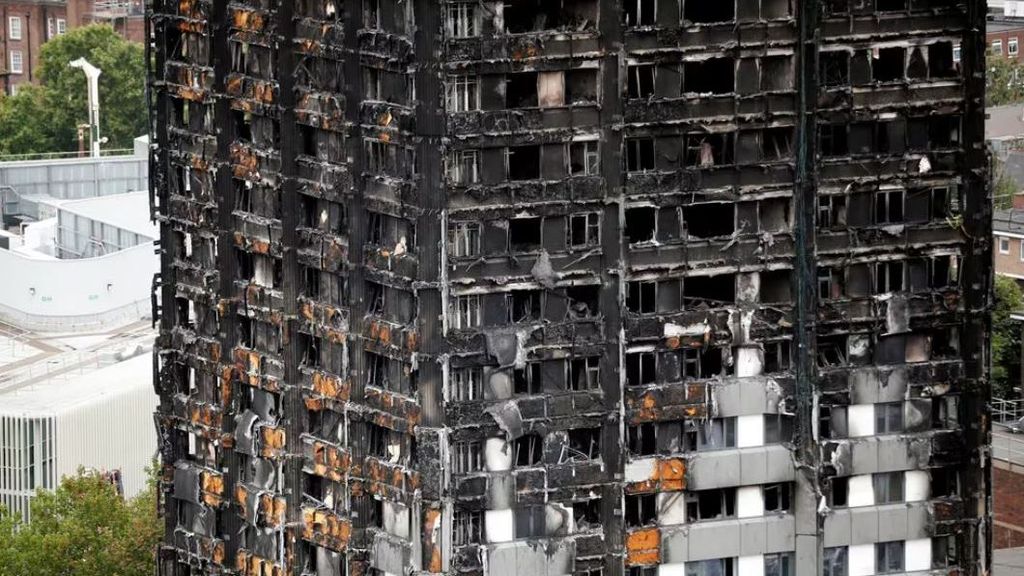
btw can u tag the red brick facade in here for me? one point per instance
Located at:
(26, 25)
(40, 20)
(1008, 507)
(1001, 42)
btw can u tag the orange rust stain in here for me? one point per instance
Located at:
(672, 474)
(432, 527)
(643, 547)
(277, 511)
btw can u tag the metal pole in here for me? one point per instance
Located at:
(92, 75)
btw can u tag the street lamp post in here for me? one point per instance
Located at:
(92, 75)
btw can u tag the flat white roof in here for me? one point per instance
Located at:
(48, 374)
(54, 396)
(126, 211)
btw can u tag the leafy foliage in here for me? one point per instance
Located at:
(1005, 81)
(1004, 187)
(83, 528)
(1006, 337)
(45, 118)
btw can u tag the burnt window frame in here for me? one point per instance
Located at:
(465, 238)
(586, 369)
(467, 384)
(591, 223)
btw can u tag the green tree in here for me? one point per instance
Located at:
(46, 118)
(1004, 187)
(1006, 337)
(84, 528)
(1004, 82)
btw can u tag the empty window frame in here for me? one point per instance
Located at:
(711, 76)
(834, 561)
(710, 290)
(640, 12)
(524, 305)
(641, 368)
(889, 207)
(584, 373)
(704, 12)
(838, 493)
(830, 283)
(641, 509)
(831, 351)
(587, 514)
(466, 312)
(714, 567)
(709, 220)
(467, 384)
(584, 444)
(581, 86)
(705, 505)
(642, 296)
(462, 93)
(831, 211)
(780, 564)
(524, 234)
(371, 14)
(833, 139)
(888, 487)
(461, 20)
(777, 356)
(527, 450)
(889, 277)
(701, 363)
(527, 380)
(889, 557)
(640, 80)
(834, 69)
(521, 90)
(463, 167)
(776, 144)
(776, 497)
(467, 457)
(467, 528)
(584, 158)
(888, 417)
(582, 302)
(464, 239)
(717, 434)
(709, 150)
(377, 371)
(639, 154)
(584, 230)
(888, 64)
(522, 163)
(641, 440)
(778, 428)
(641, 224)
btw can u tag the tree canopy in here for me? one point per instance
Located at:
(44, 118)
(1006, 337)
(1004, 82)
(83, 528)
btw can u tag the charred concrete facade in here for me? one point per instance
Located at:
(623, 287)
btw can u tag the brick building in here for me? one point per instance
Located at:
(127, 17)
(1008, 229)
(27, 24)
(1004, 38)
(592, 287)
